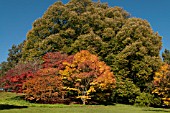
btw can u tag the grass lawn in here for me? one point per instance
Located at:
(15, 105)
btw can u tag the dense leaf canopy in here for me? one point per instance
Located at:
(127, 44)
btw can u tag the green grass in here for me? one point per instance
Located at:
(12, 99)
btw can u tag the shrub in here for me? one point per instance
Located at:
(146, 99)
(126, 91)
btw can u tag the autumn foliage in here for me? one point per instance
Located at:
(16, 76)
(86, 75)
(162, 83)
(45, 87)
(76, 77)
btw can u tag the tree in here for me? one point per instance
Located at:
(16, 76)
(128, 45)
(63, 26)
(14, 83)
(44, 87)
(126, 91)
(137, 50)
(162, 83)
(86, 75)
(166, 56)
(14, 56)
(4, 67)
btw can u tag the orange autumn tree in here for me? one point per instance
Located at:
(87, 76)
(44, 87)
(162, 83)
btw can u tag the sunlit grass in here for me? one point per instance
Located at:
(13, 99)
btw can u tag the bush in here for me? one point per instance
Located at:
(126, 91)
(146, 99)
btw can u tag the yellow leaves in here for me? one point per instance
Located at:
(162, 73)
(83, 56)
(166, 101)
(66, 64)
(78, 80)
(84, 97)
(85, 74)
(69, 69)
(91, 89)
(156, 91)
(72, 89)
(161, 83)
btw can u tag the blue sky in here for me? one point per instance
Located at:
(17, 17)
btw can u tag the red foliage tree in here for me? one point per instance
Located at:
(15, 77)
(45, 87)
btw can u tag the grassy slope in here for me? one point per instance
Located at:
(5, 98)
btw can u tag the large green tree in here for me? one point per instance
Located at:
(137, 48)
(74, 26)
(128, 45)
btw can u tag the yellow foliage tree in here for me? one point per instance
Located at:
(86, 74)
(162, 83)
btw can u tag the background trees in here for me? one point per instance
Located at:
(166, 56)
(14, 56)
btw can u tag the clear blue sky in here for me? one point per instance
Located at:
(17, 17)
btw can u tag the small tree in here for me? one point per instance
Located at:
(45, 87)
(87, 74)
(162, 83)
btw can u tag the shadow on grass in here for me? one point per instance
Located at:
(6, 106)
(156, 110)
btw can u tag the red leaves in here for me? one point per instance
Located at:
(14, 83)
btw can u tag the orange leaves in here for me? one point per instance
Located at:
(46, 86)
(83, 56)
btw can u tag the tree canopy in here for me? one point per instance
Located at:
(127, 44)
